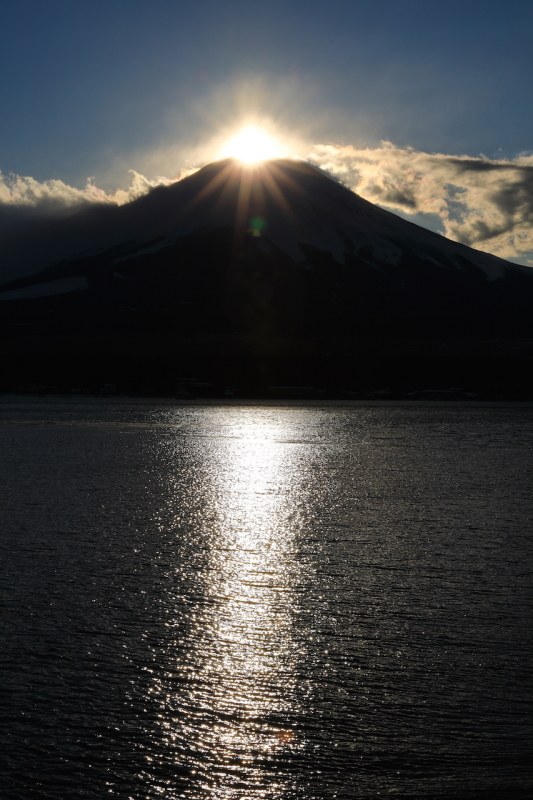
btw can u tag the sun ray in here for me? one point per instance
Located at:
(220, 178)
(243, 205)
(245, 187)
(272, 186)
(282, 177)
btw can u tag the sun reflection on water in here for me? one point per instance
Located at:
(236, 702)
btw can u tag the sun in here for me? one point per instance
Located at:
(250, 145)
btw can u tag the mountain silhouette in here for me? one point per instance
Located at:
(276, 253)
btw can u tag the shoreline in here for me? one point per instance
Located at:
(79, 399)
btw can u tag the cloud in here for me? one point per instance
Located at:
(55, 198)
(481, 202)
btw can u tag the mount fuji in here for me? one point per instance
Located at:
(261, 261)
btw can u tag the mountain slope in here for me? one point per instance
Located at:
(279, 248)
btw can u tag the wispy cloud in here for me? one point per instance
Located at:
(484, 203)
(23, 197)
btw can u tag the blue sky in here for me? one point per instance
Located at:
(98, 88)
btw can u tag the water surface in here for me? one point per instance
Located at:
(278, 601)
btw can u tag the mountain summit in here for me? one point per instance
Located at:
(278, 249)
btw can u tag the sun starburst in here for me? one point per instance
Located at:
(250, 145)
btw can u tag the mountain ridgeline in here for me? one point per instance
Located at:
(273, 265)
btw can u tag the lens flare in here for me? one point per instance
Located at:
(251, 145)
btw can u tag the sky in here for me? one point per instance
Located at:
(423, 107)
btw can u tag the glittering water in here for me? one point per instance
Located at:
(265, 602)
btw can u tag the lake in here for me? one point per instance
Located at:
(265, 601)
